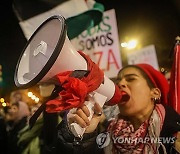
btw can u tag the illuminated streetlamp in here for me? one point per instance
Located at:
(124, 45)
(33, 97)
(4, 104)
(2, 100)
(36, 99)
(130, 45)
(30, 94)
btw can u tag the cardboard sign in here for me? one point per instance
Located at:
(101, 43)
(145, 55)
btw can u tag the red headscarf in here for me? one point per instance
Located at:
(158, 80)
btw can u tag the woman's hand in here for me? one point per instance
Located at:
(81, 117)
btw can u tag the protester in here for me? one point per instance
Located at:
(150, 125)
(29, 139)
(8, 118)
(16, 96)
(19, 113)
(3, 133)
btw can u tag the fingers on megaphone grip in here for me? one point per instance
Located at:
(79, 115)
(85, 110)
(82, 113)
(74, 118)
(79, 120)
(97, 109)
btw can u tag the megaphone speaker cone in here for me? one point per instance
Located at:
(47, 53)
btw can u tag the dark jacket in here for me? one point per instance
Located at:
(13, 136)
(170, 127)
(68, 144)
(3, 136)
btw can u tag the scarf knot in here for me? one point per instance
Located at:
(75, 89)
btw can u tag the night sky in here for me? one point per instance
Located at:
(154, 22)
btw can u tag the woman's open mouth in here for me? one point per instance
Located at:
(125, 98)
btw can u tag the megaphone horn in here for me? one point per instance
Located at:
(47, 53)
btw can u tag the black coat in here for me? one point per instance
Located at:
(170, 127)
(3, 136)
(13, 136)
(67, 143)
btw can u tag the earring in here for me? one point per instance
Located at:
(156, 100)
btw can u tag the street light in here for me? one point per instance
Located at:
(30, 94)
(33, 97)
(130, 44)
(4, 104)
(2, 100)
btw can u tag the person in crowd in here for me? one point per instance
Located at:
(19, 113)
(145, 123)
(7, 117)
(16, 96)
(3, 133)
(40, 137)
(29, 139)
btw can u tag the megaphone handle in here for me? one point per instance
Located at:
(76, 129)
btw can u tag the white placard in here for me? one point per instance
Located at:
(145, 55)
(101, 43)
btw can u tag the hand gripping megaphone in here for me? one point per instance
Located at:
(49, 52)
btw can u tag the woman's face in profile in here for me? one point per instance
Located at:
(131, 81)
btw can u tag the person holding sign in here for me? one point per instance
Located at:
(145, 124)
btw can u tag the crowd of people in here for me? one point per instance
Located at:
(16, 136)
(141, 123)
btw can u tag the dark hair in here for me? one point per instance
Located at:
(16, 104)
(6, 109)
(145, 76)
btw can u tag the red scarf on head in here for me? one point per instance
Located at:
(75, 90)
